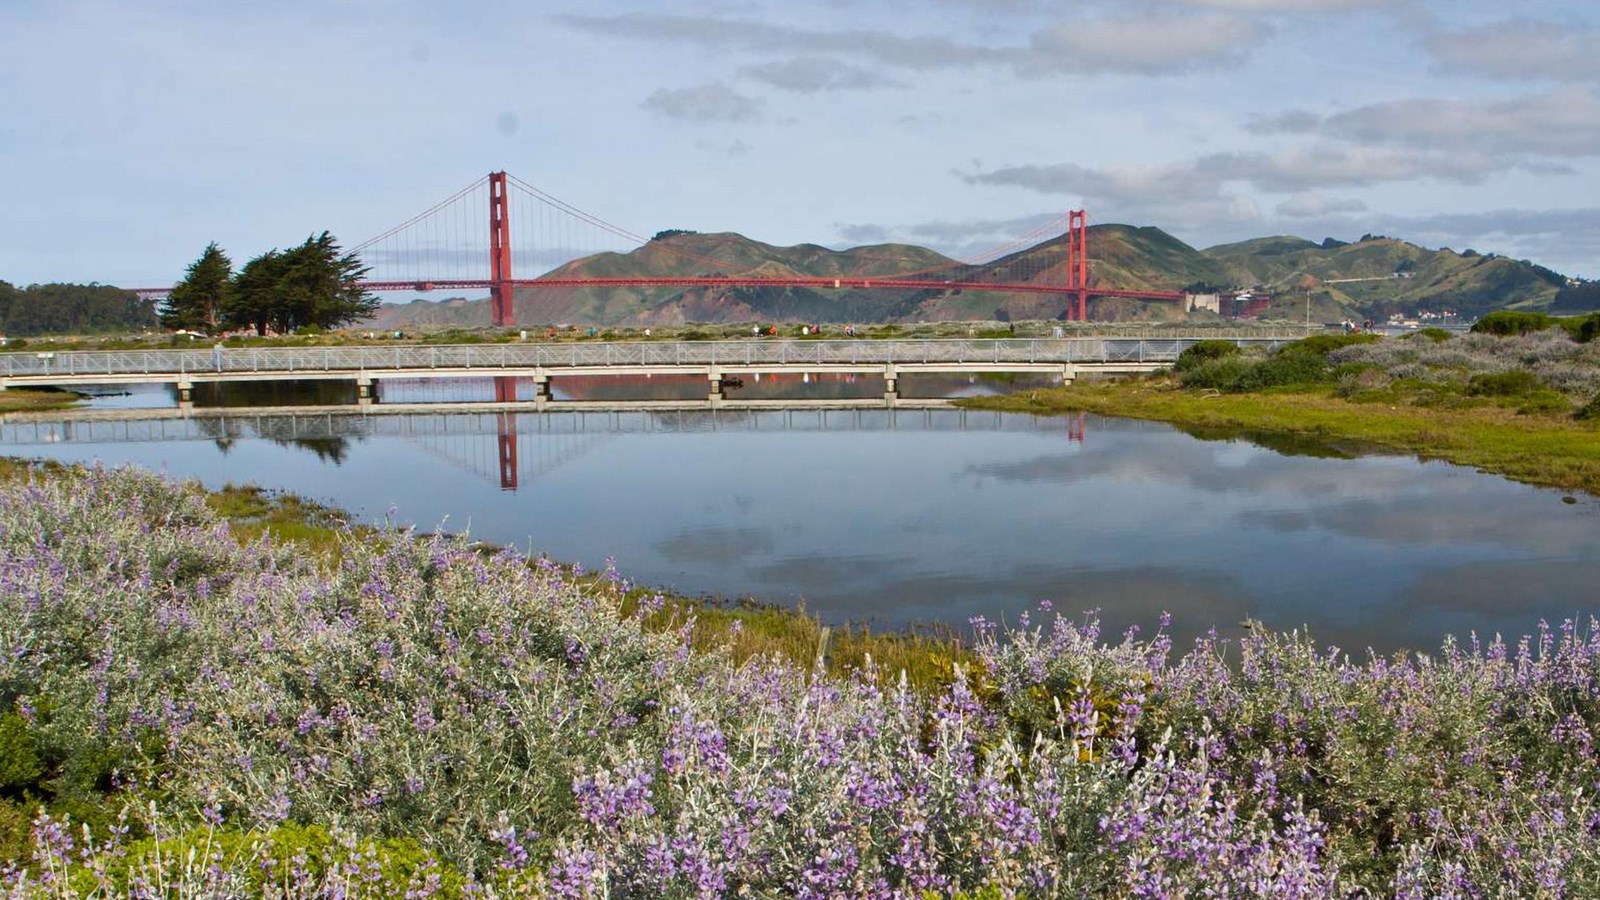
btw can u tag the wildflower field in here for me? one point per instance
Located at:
(185, 714)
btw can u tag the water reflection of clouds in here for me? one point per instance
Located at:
(1197, 598)
(1383, 499)
(1220, 468)
(1544, 525)
(716, 545)
(1525, 590)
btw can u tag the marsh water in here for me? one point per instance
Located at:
(897, 517)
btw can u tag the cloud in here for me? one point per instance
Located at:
(864, 234)
(1310, 205)
(733, 34)
(1200, 186)
(959, 239)
(1145, 43)
(706, 103)
(811, 74)
(1294, 122)
(1292, 6)
(1564, 122)
(1520, 49)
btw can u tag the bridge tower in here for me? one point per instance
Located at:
(502, 294)
(1078, 265)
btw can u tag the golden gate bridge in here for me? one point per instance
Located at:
(447, 245)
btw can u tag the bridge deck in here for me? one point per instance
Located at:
(712, 358)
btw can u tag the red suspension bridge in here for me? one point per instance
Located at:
(444, 247)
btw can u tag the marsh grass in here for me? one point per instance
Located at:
(36, 399)
(1494, 435)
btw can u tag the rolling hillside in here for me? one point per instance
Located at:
(1379, 275)
(1373, 277)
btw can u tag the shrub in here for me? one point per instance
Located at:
(1503, 322)
(1437, 335)
(1515, 383)
(1204, 352)
(1361, 379)
(1323, 344)
(1222, 374)
(1584, 329)
(1590, 410)
(1287, 368)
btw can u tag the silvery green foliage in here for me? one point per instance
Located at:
(1559, 361)
(507, 716)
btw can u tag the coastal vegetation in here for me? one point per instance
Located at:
(311, 285)
(186, 708)
(39, 309)
(34, 400)
(1508, 400)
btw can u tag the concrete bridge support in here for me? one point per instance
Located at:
(891, 384)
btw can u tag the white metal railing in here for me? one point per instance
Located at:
(83, 365)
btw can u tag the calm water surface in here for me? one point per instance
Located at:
(899, 517)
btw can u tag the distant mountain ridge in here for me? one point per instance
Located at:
(1373, 277)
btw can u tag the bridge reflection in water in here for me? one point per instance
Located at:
(525, 446)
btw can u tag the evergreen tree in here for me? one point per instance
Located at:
(312, 284)
(253, 298)
(197, 300)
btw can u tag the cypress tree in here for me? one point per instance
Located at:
(198, 300)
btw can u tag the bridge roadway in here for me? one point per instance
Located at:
(716, 360)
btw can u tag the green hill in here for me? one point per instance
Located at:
(1371, 278)
(728, 254)
(1377, 276)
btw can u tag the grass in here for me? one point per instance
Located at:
(35, 400)
(1549, 449)
(747, 629)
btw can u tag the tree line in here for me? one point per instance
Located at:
(280, 291)
(71, 309)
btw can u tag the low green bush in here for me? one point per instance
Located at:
(1590, 410)
(1515, 383)
(1360, 379)
(1505, 322)
(1217, 374)
(1437, 335)
(1323, 344)
(1203, 352)
(1287, 368)
(1544, 401)
(1584, 329)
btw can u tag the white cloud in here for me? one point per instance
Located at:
(1286, 171)
(810, 74)
(1293, 6)
(1143, 43)
(1562, 123)
(1521, 50)
(1312, 205)
(706, 103)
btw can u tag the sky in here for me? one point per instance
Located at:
(134, 132)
